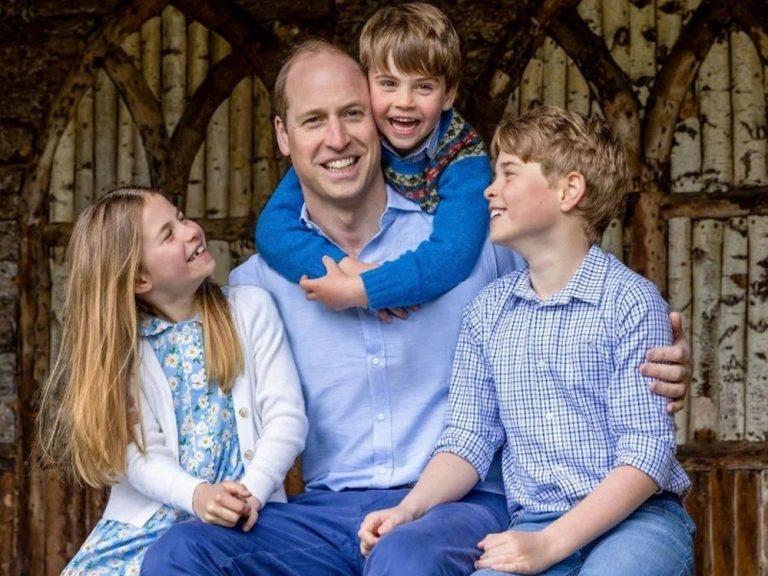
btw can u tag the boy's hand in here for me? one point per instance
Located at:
(336, 289)
(254, 507)
(518, 552)
(222, 503)
(377, 524)
(673, 378)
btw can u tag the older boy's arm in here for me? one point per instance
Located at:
(446, 478)
(670, 367)
(615, 498)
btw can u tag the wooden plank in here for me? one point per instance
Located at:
(685, 156)
(736, 202)
(706, 255)
(613, 239)
(84, 178)
(126, 131)
(220, 252)
(174, 66)
(105, 134)
(198, 70)
(669, 21)
(616, 31)
(762, 534)
(749, 118)
(56, 503)
(151, 33)
(747, 527)
(722, 520)
(8, 514)
(642, 48)
(264, 166)
(679, 287)
(61, 204)
(713, 90)
(732, 330)
(240, 148)
(697, 505)
(554, 74)
(217, 148)
(531, 85)
(757, 331)
(740, 455)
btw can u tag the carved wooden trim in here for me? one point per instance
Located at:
(673, 80)
(606, 79)
(145, 109)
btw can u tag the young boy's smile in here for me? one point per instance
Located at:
(407, 105)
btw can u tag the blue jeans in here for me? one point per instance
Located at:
(656, 539)
(316, 535)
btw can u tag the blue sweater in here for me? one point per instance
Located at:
(450, 184)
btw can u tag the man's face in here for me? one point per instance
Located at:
(328, 130)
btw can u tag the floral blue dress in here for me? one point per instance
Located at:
(208, 448)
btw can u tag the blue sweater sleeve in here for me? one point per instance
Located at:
(447, 258)
(287, 246)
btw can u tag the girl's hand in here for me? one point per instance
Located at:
(254, 507)
(222, 503)
(520, 552)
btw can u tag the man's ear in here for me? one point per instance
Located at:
(282, 136)
(141, 284)
(573, 190)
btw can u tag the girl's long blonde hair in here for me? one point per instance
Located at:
(89, 404)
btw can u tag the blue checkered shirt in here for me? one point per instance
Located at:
(556, 384)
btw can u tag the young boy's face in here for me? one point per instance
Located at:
(407, 106)
(522, 204)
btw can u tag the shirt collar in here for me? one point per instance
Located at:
(152, 326)
(585, 284)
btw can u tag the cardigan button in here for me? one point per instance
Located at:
(249, 454)
(243, 412)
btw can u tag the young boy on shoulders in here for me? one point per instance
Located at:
(430, 154)
(546, 370)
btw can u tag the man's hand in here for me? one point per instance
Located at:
(514, 551)
(377, 524)
(222, 503)
(389, 314)
(673, 378)
(337, 290)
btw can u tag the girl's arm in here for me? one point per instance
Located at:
(616, 497)
(449, 255)
(278, 404)
(285, 243)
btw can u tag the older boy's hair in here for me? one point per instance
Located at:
(307, 48)
(420, 38)
(562, 141)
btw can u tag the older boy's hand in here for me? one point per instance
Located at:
(377, 524)
(518, 552)
(673, 378)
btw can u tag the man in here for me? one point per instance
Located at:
(375, 391)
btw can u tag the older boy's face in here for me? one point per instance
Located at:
(328, 130)
(522, 204)
(407, 105)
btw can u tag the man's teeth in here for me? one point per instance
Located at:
(496, 212)
(340, 164)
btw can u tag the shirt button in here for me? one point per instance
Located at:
(243, 412)
(248, 454)
(376, 360)
(383, 470)
(380, 417)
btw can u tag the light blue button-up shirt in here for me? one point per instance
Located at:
(375, 392)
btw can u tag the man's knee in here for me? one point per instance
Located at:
(175, 552)
(411, 552)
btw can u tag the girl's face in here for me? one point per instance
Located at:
(174, 257)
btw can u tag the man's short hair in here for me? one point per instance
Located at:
(562, 141)
(308, 48)
(420, 38)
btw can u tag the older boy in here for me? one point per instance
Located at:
(546, 369)
(430, 155)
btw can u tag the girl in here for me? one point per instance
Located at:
(184, 399)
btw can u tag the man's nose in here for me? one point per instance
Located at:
(337, 136)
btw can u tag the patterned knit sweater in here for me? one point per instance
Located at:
(449, 185)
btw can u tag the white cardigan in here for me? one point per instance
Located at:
(269, 407)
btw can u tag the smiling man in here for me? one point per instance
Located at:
(375, 392)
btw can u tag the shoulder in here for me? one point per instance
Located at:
(489, 304)
(247, 300)
(629, 290)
